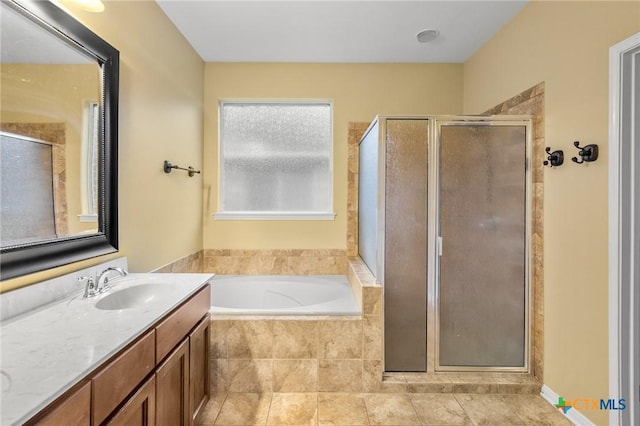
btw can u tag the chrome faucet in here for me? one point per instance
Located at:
(103, 278)
(90, 288)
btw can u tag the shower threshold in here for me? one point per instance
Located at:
(455, 382)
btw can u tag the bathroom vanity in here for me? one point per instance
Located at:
(136, 355)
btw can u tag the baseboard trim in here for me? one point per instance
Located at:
(574, 416)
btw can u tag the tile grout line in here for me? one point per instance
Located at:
(366, 410)
(415, 411)
(462, 407)
(220, 410)
(266, 420)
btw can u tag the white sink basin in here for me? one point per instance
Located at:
(135, 296)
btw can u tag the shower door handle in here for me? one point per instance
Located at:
(439, 246)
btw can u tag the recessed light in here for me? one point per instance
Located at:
(425, 36)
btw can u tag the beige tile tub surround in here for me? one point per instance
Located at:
(286, 354)
(262, 262)
(295, 375)
(189, 264)
(275, 262)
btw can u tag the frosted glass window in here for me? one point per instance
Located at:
(276, 158)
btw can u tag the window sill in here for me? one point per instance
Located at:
(274, 216)
(89, 218)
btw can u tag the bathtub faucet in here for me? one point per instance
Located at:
(103, 278)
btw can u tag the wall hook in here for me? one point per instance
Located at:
(168, 167)
(587, 153)
(555, 158)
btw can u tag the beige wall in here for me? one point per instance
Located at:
(161, 79)
(358, 93)
(565, 44)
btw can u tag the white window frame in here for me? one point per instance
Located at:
(272, 215)
(89, 166)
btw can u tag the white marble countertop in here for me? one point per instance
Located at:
(46, 351)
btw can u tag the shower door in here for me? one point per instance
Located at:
(482, 223)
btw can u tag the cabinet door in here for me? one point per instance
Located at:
(172, 388)
(140, 409)
(199, 365)
(112, 385)
(74, 410)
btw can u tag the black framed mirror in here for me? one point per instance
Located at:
(31, 32)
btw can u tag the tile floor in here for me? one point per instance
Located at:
(400, 409)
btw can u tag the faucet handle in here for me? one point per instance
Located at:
(105, 285)
(86, 279)
(90, 288)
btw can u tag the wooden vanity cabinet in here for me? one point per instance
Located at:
(111, 385)
(162, 378)
(180, 382)
(199, 343)
(73, 410)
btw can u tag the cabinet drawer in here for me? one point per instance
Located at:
(72, 411)
(121, 376)
(173, 329)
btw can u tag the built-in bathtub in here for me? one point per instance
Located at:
(316, 350)
(283, 295)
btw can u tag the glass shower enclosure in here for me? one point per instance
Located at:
(444, 218)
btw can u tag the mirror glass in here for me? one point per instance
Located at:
(50, 93)
(57, 138)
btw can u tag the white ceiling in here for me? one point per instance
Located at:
(337, 31)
